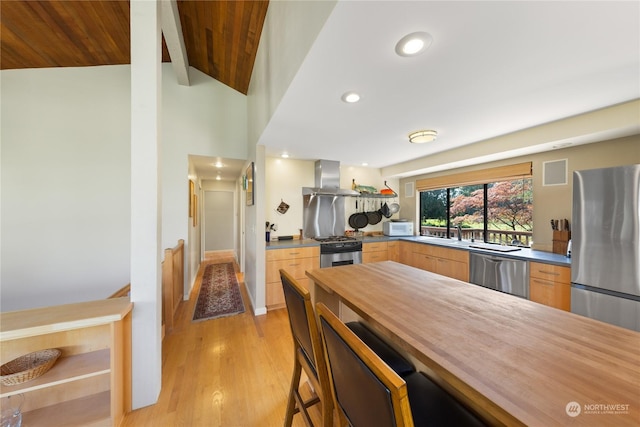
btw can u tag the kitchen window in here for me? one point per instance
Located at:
(499, 211)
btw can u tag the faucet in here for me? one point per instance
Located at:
(459, 231)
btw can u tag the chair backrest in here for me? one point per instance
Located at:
(304, 327)
(365, 389)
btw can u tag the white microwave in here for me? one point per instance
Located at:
(397, 228)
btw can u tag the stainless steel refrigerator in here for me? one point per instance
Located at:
(605, 234)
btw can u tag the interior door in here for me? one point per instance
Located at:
(219, 226)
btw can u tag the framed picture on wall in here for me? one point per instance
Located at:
(195, 210)
(191, 193)
(250, 177)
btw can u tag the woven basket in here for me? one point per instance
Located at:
(29, 366)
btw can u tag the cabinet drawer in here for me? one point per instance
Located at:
(374, 247)
(452, 254)
(374, 256)
(555, 273)
(295, 267)
(550, 293)
(293, 253)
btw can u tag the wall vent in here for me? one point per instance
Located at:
(554, 172)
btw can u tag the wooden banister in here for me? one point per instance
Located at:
(122, 292)
(172, 283)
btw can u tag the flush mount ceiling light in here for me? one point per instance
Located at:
(285, 155)
(422, 136)
(350, 97)
(414, 44)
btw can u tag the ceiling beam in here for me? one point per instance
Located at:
(172, 31)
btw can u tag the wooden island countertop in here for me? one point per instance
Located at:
(514, 361)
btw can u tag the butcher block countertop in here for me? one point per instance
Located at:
(514, 361)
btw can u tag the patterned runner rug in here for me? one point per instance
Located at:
(219, 294)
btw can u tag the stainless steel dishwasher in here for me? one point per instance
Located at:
(502, 274)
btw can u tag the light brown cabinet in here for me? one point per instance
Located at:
(550, 285)
(452, 263)
(296, 261)
(90, 384)
(375, 252)
(393, 248)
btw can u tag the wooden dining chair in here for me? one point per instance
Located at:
(367, 392)
(308, 355)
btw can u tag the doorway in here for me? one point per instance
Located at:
(219, 225)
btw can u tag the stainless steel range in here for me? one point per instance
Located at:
(323, 217)
(339, 250)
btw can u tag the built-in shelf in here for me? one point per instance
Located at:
(65, 370)
(89, 411)
(90, 384)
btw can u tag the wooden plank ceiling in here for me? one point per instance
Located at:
(221, 37)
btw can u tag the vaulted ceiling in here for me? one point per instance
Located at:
(221, 37)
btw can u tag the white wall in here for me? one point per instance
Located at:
(65, 185)
(206, 118)
(65, 142)
(286, 177)
(289, 29)
(549, 202)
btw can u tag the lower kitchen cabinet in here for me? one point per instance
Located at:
(374, 252)
(90, 384)
(393, 248)
(296, 261)
(452, 263)
(550, 285)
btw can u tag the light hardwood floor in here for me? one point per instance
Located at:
(231, 371)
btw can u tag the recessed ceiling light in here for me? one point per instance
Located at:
(414, 44)
(218, 164)
(422, 136)
(365, 164)
(285, 155)
(350, 97)
(218, 178)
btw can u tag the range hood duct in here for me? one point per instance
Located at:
(327, 181)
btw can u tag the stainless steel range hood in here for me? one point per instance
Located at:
(327, 181)
(323, 205)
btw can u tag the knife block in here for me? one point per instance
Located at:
(560, 241)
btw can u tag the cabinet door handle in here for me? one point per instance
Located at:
(544, 283)
(294, 253)
(293, 265)
(553, 273)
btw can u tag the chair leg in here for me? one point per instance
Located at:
(291, 403)
(327, 409)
